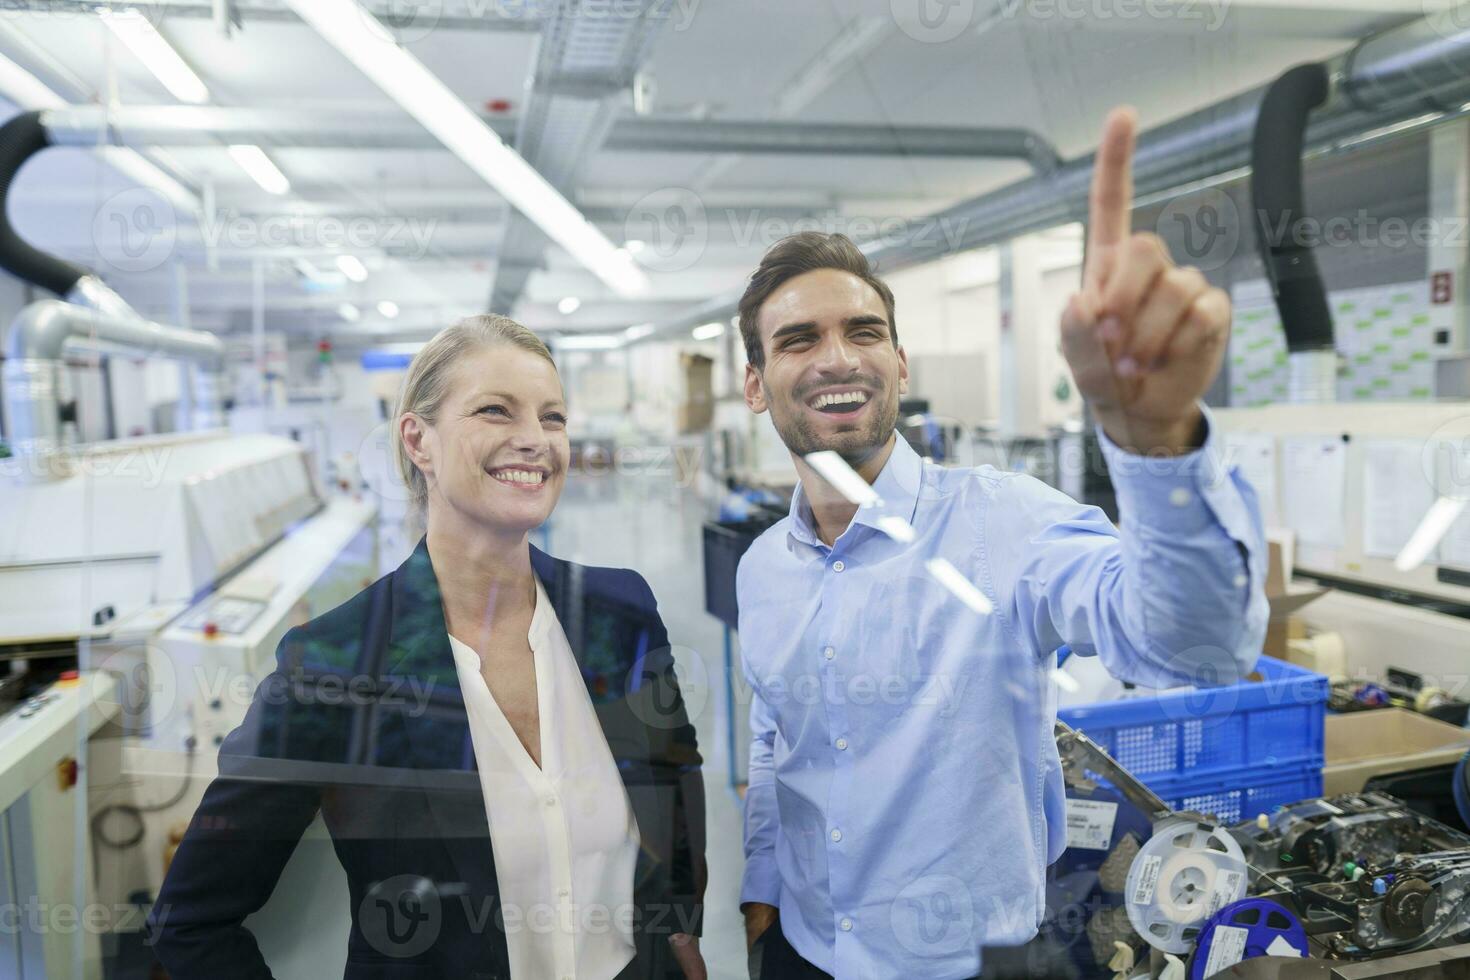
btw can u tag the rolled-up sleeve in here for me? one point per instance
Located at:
(1178, 597)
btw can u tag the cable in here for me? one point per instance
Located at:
(136, 812)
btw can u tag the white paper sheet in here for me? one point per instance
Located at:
(1396, 495)
(1255, 454)
(1313, 476)
(1454, 549)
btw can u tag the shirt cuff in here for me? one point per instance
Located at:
(1168, 493)
(762, 880)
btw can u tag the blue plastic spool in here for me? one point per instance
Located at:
(1264, 921)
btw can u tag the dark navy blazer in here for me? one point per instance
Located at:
(363, 721)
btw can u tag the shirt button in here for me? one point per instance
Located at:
(836, 835)
(1180, 497)
(551, 801)
(846, 925)
(837, 566)
(841, 744)
(829, 653)
(1240, 581)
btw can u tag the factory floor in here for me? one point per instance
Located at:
(648, 523)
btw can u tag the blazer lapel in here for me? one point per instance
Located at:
(437, 738)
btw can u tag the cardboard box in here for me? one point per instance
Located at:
(1363, 744)
(1284, 598)
(697, 410)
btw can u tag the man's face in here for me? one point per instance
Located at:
(832, 377)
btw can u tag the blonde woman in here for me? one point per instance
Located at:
(538, 812)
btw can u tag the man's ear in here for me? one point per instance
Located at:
(903, 371)
(755, 390)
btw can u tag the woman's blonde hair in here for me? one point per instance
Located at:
(427, 383)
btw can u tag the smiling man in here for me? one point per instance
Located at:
(889, 832)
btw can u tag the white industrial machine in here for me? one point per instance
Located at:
(144, 586)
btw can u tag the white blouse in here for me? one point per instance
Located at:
(564, 836)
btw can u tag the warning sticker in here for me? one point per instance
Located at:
(1148, 880)
(1090, 824)
(1227, 948)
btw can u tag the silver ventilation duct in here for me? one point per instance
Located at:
(1385, 80)
(37, 410)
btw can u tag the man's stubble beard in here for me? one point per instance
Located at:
(801, 439)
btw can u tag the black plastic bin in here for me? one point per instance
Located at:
(724, 544)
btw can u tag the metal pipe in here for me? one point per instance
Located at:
(1384, 80)
(182, 125)
(34, 399)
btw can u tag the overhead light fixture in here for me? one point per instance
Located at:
(307, 268)
(588, 341)
(352, 267)
(157, 55)
(29, 92)
(638, 332)
(357, 35)
(568, 305)
(261, 168)
(387, 308)
(634, 245)
(708, 331)
(349, 312)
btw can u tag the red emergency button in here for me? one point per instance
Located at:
(211, 630)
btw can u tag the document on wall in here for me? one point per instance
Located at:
(1255, 454)
(1313, 475)
(1453, 478)
(1397, 493)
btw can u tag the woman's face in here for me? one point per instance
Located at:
(498, 453)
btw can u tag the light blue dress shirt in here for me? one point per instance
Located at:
(905, 793)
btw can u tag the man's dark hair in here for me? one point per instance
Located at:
(796, 255)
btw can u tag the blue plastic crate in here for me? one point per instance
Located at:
(1243, 796)
(1211, 736)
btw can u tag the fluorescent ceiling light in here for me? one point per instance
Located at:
(29, 92)
(387, 308)
(307, 268)
(352, 267)
(156, 54)
(568, 305)
(355, 33)
(25, 89)
(638, 332)
(588, 341)
(349, 312)
(262, 170)
(708, 331)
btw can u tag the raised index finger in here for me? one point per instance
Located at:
(1110, 206)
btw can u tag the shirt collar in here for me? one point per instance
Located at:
(898, 492)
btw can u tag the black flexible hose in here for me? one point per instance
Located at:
(1280, 206)
(21, 138)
